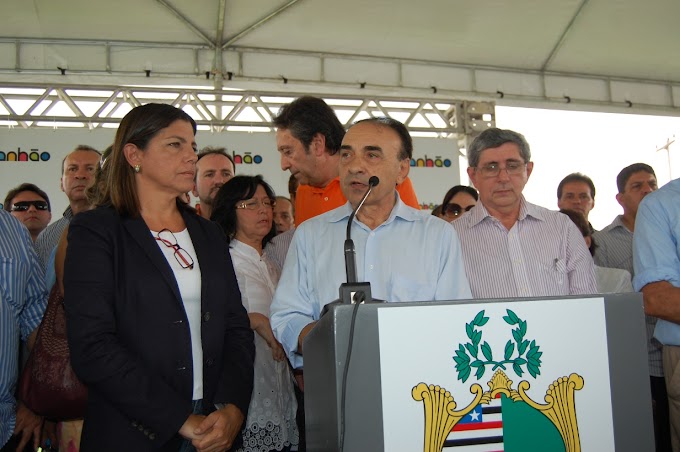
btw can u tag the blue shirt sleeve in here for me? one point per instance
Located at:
(655, 255)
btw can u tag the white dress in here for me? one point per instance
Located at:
(271, 415)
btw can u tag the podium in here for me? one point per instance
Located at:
(562, 373)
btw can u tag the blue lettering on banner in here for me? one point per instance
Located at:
(246, 159)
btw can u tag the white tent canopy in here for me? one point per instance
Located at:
(606, 55)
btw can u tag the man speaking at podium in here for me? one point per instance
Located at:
(405, 255)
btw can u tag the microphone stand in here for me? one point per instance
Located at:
(353, 291)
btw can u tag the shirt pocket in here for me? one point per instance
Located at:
(406, 288)
(9, 282)
(555, 271)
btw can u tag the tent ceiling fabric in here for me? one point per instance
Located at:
(612, 39)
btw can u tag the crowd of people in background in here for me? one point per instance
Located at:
(187, 323)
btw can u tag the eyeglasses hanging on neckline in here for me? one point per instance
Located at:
(184, 259)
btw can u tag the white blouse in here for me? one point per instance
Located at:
(257, 277)
(189, 284)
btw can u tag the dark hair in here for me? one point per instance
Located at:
(493, 138)
(453, 191)
(80, 147)
(95, 189)
(208, 150)
(576, 177)
(582, 224)
(25, 187)
(292, 185)
(306, 116)
(624, 175)
(406, 151)
(138, 127)
(237, 189)
(437, 211)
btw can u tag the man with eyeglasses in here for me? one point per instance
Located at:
(30, 205)
(78, 171)
(512, 248)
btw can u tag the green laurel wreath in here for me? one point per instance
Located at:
(466, 352)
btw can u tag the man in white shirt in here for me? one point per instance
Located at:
(405, 254)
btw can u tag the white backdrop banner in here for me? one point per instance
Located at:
(35, 155)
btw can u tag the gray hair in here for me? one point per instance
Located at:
(493, 138)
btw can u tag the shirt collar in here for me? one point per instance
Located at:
(526, 209)
(323, 190)
(617, 223)
(244, 249)
(68, 213)
(400, 210)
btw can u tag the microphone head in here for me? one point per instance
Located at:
(373, 181)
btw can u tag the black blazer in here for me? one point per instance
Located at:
(129, 335)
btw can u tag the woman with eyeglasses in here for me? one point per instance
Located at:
(457, 201)
(244, 208)
(155, 322)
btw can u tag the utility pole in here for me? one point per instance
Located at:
(667, 147)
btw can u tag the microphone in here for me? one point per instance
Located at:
(350, 253)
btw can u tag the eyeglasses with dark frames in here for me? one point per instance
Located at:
(454, 210)
(23, 206)
(254, 204)
(184, 259)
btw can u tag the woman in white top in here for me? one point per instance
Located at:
(244, 209)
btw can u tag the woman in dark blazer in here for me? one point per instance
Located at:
(156, 326)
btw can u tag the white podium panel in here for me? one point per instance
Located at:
(555, 374)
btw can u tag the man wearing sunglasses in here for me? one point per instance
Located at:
(30, 205)
(512, 248)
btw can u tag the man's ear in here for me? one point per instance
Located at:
(618, 198)
(472, 175)
(404, 168)
(530, 168)
(318, 145)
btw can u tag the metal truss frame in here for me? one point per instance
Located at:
(57, 106)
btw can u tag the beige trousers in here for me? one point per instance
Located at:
(671, 371)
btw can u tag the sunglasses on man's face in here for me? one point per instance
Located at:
(23, 206)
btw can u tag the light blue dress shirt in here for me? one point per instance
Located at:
(656, 248)
(412, 256)
(23, 298)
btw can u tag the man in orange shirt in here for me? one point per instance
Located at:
(308, 136)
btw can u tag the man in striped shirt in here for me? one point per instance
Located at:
(23, 298)
(512, 248)
(615, 250)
